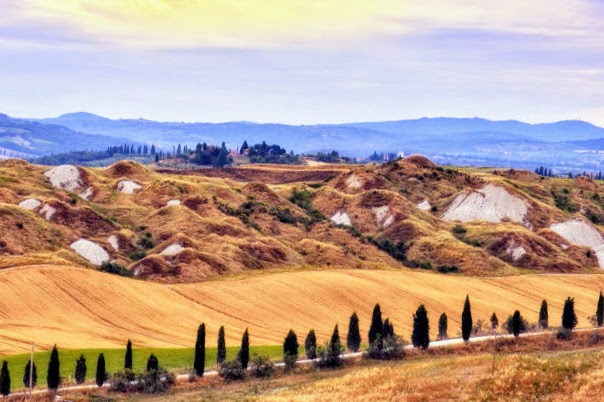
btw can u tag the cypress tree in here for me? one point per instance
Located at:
(421, 328)
(310, 344)
(221, 350)
(152, 363)
(53, 378)
(543, 315)
(494, 322)
(290, 344)
(353, 340)
(334, 348)
(128, 357)
(387, 329)
(200, 351)
(244, 353)
(34, 376)
(600, 310)
(466, 320)
(569, 319)
(100, 370)
(80, 369)
(517, 323)
(4, 379)
(375, 330)
(442, 326)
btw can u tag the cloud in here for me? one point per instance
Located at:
(310, 23)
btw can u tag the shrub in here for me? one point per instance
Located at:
(543, 315)
(4, 379)
(80, 370)
(137, 255)
(114, 268)
(231, 371)
(310, 345)
(564, 334)
(146, 242)
(393, 347)
(494, 322)
(289, 361)
(262, 366)
(152, 363)
(152, 382)
(442, 326)
(26, 375)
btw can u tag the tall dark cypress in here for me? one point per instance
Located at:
(290, 344)
(34, 375)
(517, 323)
(600, 310)
(80, 370)
(128, 357)
(244, 352)
(375, 330)
(4, 379)
(443, 323)
(353, 340)
(466, 320)
(335, 339)
(569, 319)
(543, 315)
(421, 328)
(221, 350)
(310, 345)
(200, 351)
(53, 378)
(101, 375)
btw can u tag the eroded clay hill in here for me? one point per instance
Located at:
(185, 226)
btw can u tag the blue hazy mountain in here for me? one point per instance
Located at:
(566, 130)
(25, 138)
(354, 137)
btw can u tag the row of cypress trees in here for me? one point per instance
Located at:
(378, 330)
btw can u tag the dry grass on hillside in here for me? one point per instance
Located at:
(560, 376)
(79, 308)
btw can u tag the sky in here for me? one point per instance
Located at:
(303, 61)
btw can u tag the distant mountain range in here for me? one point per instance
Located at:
(567, 144)
(25, 138)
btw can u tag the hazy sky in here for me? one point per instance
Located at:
(303, 61)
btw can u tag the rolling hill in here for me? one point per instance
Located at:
(82, 308)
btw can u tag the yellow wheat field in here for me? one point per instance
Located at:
(80, 308)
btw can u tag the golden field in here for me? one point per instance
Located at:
(82, 308)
